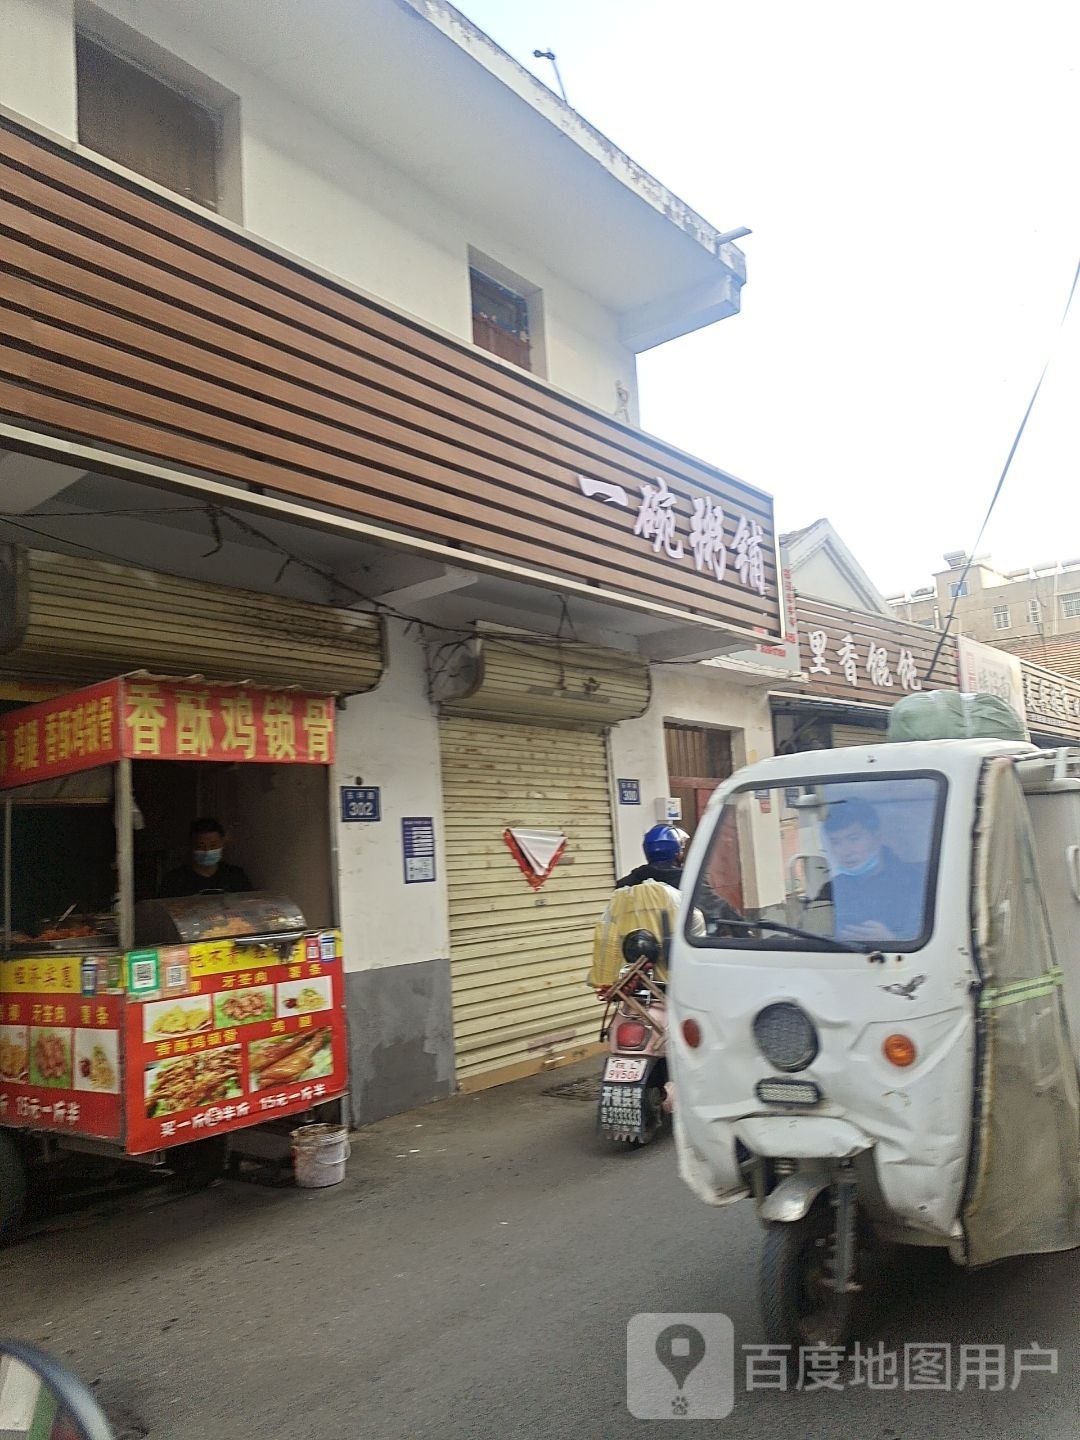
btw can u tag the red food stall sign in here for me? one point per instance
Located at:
(151, 719)
(212, 722)
(58, 737)
(238, 1049)
(60, 1063)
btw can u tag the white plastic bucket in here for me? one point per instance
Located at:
(319, 1155)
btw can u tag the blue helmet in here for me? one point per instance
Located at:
(662, 845)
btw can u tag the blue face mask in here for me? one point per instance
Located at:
(207, 858)
(863, 869)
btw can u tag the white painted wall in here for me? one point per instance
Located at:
(318, 194)
(820, 577)
(37, 62)
(390, 738)
(692, 695)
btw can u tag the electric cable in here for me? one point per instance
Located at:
(959, 586)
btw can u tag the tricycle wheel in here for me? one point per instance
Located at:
(198, 1164)
(12, 1187)
(798, 1304)
(652, 1106)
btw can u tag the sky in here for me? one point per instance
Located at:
(909, 172)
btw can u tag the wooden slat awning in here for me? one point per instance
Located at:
(131, 323)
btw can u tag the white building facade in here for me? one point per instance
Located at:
(349, 329)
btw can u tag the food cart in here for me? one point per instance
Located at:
(152, 1028)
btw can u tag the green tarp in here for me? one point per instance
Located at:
(945, 715)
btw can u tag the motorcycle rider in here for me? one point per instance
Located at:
(664, 848)
(653, 907)
(645, 900)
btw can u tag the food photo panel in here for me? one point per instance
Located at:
(304, 997)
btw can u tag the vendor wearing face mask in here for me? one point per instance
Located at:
(206, 872)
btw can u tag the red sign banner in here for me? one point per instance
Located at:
(149, 719)
(58, 737)
(60, 1062)
(237, 1049)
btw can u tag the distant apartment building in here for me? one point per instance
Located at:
(1034, 613)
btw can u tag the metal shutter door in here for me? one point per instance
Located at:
(86, 620)
(519, 957)
(538, 679)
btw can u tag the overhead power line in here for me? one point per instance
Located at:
(959, 586)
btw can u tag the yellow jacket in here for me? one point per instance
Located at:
(651, 906)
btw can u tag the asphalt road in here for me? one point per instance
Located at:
(473, 1277)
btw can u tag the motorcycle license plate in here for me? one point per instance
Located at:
(621, 1071)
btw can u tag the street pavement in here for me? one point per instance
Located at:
(473, 1277)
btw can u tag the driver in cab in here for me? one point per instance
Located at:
(876, 896)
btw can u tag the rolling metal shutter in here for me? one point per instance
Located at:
(539, 678)
(81, 621)
(519, 958)
(844, 736)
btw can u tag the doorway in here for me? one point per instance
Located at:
(698, 759)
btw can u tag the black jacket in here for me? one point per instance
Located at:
(227, 879)
(667, 874)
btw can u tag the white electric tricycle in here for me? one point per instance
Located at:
(882, 1045)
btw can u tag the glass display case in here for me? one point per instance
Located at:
(186, 920)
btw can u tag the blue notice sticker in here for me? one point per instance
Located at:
(418, 848)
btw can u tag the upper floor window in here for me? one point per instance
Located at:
(1070, 605)
(503, 319)
(1034, 612)
(958, 589)
(146, 124)
(1002, 620)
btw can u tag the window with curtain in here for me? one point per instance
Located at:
(500, 319)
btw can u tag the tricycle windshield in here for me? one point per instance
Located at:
(843, 863)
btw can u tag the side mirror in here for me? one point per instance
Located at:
(38, 1398)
